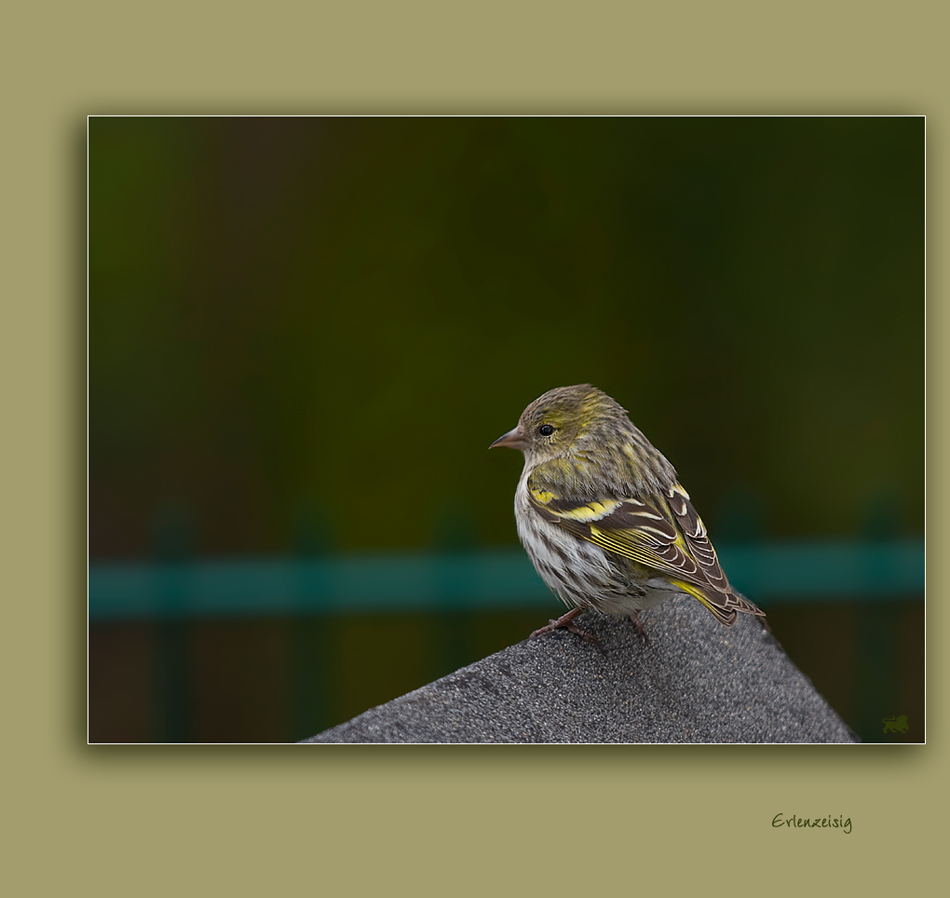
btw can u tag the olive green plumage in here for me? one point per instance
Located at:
(603, 517)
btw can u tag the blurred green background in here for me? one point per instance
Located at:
(305, 332)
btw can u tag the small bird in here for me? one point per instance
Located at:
(603, 517)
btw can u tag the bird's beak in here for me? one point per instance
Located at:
(514, 439)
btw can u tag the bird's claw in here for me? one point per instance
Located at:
(639, 627)
(566, 622)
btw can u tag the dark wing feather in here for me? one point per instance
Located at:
(671, 540)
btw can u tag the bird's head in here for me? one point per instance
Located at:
(562, 421)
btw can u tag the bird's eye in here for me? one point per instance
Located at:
(545, 430)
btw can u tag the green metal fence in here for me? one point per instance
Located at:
(476, 581)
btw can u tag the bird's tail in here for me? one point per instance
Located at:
(722, 605)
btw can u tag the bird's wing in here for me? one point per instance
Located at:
(667, 536)
(632, 528)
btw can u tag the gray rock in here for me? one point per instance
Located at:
(694, 681)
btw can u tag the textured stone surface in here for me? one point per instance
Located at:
(695, 681)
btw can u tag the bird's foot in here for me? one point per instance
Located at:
(566, 622)
(639, 627)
